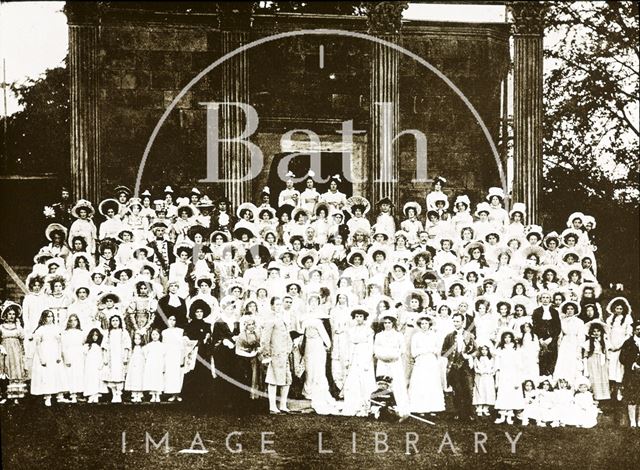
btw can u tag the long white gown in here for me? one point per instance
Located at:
(569, 362)
(154, 360)
(93, 364)
(340, 322)
(508, 379)
(388, 348)
(135, 370)
(48, 379)
(360, 381)
(618, 334)
(172, 338)
(73, 354)
(425, 386)
(316, 385)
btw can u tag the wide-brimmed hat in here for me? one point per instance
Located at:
(151, 267)
(98, 271)
(269, 210)
(235, 284)
(109, 295)
(570, 232)
(353, 253)
(55, 228)
(44, 252)
(439, 198)
(567, 303)
(243, 230)
(518, 207)
(462, 199)
(298, 211)
(482, 207)
(293, 283)
(139, 246)
(359, 311)
(551, 236)
(589, 219)
(307, 254)
(108, 243)
(122, 189)
(535, 230)
(263, 251)
(195, 229)
(246, 206)
(495, 191)
(452, 263)
(285, 209)
(473, 245)
(412, 204)
(224, 235)
(180, 247)
(122, 269)
(199, 304)
(205, 277)
(56, 261)
(618, 301)
(385, 200)
(205, 203)
(107, 204)
(83, 204)
(123, 230)
(573, 216)
(81, 286)
(424, 297)
(597, 288)
(7, 306)
(355, 202)
(320, 206)
(134, 201)
(158, 223)
(185, 206)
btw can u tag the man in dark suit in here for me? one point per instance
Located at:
(459, 348)
(162, 249)
(546, 325)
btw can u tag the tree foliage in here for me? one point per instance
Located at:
(591, 126)
(37, 138)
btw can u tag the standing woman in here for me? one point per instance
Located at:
(275, 348)
(172, 338)
(340, 324)
(360, 380)
(630, 359)
(569, 363)
(425, 386)
(12, 340)
(310, 196)
(225, 330)
(116, 346)
(509, 396)
(248, 370)
(198, 381)
(73, 356)
(620, 326)
(388, 348)
(594, 352)
(47, 376)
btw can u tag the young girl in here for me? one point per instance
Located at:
(508, 378)
(117, 346)
(530, 407)
(12, 341)
(563, 402)
(73, 357)
(484, 389)
(135, 370)
(92, 383)
(585, 409)
(172, 338)
(594, 353)
(47, 373)
(545, 404)
(529, 350)
(154, 366)
(620, 326)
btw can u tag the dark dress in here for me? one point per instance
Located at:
(165, 311)
(224, 359)
(629, 355)
(198, 383)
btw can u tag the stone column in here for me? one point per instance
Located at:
(528, 31)
(384, 21)
(235, 22)
(83, 86)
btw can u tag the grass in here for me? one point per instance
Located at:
(90, 436)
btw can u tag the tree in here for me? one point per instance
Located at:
(37, 138)
(591, 125)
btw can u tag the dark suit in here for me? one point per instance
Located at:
(630, 355)
(180, 312)
(459, 372)
(545, 329)
(163, 260)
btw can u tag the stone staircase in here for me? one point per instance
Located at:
(9, 290)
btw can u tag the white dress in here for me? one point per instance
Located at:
(425, 386)
(388, 348)
(154, 360)
(360, 381)
(508, 379)
(340, 323)
(569, 362)
(619, 332)
(48, 379)
(172, 338)
(73, 358)
(135, 369)
(530, 353)
(93, 364)
(315, 356)
(115, 343)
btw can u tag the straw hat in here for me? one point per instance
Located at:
(246, 206)
(518, 207)
(412, 204)
(495, 191)
(82, 204)
(107, 204)
(572, 217)
(56, 228)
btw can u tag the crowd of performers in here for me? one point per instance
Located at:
(321, 296)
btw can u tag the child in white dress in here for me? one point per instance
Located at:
(172, 338)
(73, 357)
(484, 389)
(530, 406)
(117, 345)
(93, 385)
(135, 369)
(154, 363)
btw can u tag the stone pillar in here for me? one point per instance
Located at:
(528, 31)
(83, 85)
(235, 22)
(384, 21)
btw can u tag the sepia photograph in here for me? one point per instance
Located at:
(321, 234)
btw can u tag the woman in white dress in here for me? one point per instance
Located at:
(388, 348)
(93, 384)
(360, 381)
(509, 396)
(425, 386)
(47, 371)
(569, 362)
(73, 357)
(154, 366)
(117, 345)
(340, 324)
(310, 196)
(172, 338)
(620, 329)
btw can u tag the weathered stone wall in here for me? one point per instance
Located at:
(144, 61)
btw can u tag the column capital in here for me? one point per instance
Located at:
(384, 17)
(528, 17)
(236, 16)
(83, 12)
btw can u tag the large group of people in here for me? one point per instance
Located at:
(323, 297)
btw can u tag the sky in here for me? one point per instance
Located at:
(34, 38)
